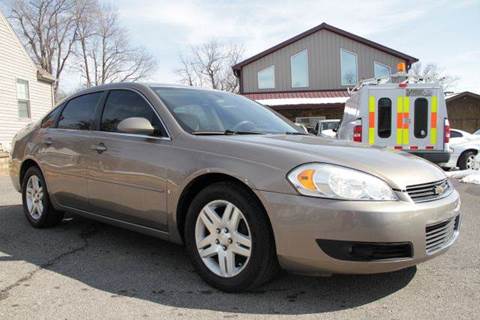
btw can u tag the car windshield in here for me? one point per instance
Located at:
(215, 112)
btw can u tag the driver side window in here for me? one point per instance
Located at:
(123, 104)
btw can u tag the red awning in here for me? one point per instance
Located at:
(295, 95)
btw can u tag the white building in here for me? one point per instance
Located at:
(26, 92)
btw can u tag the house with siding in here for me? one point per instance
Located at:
(26, 92)
(309, 75)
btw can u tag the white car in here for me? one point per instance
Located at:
(477, 133)
(327, 128)
(464, 147)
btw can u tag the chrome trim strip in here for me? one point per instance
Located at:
(416, 192)
(134, 135)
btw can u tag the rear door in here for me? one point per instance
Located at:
(407, 119)
(66, 146)
(425, 131)
(382, 113)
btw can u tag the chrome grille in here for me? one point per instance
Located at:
(429, 191)
(439, 235)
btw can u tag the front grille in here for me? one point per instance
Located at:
(429, 191)
(439, 235)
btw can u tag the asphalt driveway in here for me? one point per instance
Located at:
(87, 270)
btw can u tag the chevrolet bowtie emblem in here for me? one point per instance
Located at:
(439, 189)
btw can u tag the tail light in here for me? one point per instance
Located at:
(446, 131)
(357, 133)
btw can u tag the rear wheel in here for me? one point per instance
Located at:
(229, 239)
(466, 160)
(36, 203)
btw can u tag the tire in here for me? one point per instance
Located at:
(464, 160)
(248, 273)
(44, 215)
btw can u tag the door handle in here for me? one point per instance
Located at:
(99, 148)
(48, 141)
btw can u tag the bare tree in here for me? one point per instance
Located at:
(234, 55)
(431, 72)
(106, 54)
(187, 73)
(49, 30)
(209, 64)
(85, 17)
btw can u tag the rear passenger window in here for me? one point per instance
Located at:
(455, 134)
(123, 104)
(420, 125)
(49, 120)
(80, 112)
(384, 118)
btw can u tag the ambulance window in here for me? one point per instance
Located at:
(420, 125)
(384, 117)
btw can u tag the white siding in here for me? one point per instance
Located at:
(16, 64)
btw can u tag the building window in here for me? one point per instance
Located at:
(381, 70)
(348, 66)
(23, 97)
(299, 68)
(266, 78)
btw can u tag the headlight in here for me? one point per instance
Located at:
(331, 181)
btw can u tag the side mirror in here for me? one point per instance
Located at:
(136, 125)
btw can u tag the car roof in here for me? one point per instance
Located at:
(135, 85)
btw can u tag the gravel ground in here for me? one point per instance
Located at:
(87, 270)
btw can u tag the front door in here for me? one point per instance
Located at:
(126, 176)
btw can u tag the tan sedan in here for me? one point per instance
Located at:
(239, 185)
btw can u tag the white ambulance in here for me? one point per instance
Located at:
(399, 112)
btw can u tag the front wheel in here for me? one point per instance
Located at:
(229, 239)
(466, 160)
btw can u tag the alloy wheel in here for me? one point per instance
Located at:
(34, 197)
(470, 161)
(223, 238)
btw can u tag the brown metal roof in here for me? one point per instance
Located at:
(325, 26)
(463, 94)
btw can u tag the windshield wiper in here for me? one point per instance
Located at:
(232, 132)
(296, 133)
(208, 133)
(225, 133)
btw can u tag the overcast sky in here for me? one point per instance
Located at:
(442, 32)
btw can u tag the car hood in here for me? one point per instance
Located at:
(399, 169)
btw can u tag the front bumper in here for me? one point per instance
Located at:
(298, 222)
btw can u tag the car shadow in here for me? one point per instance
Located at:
(128, 264)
